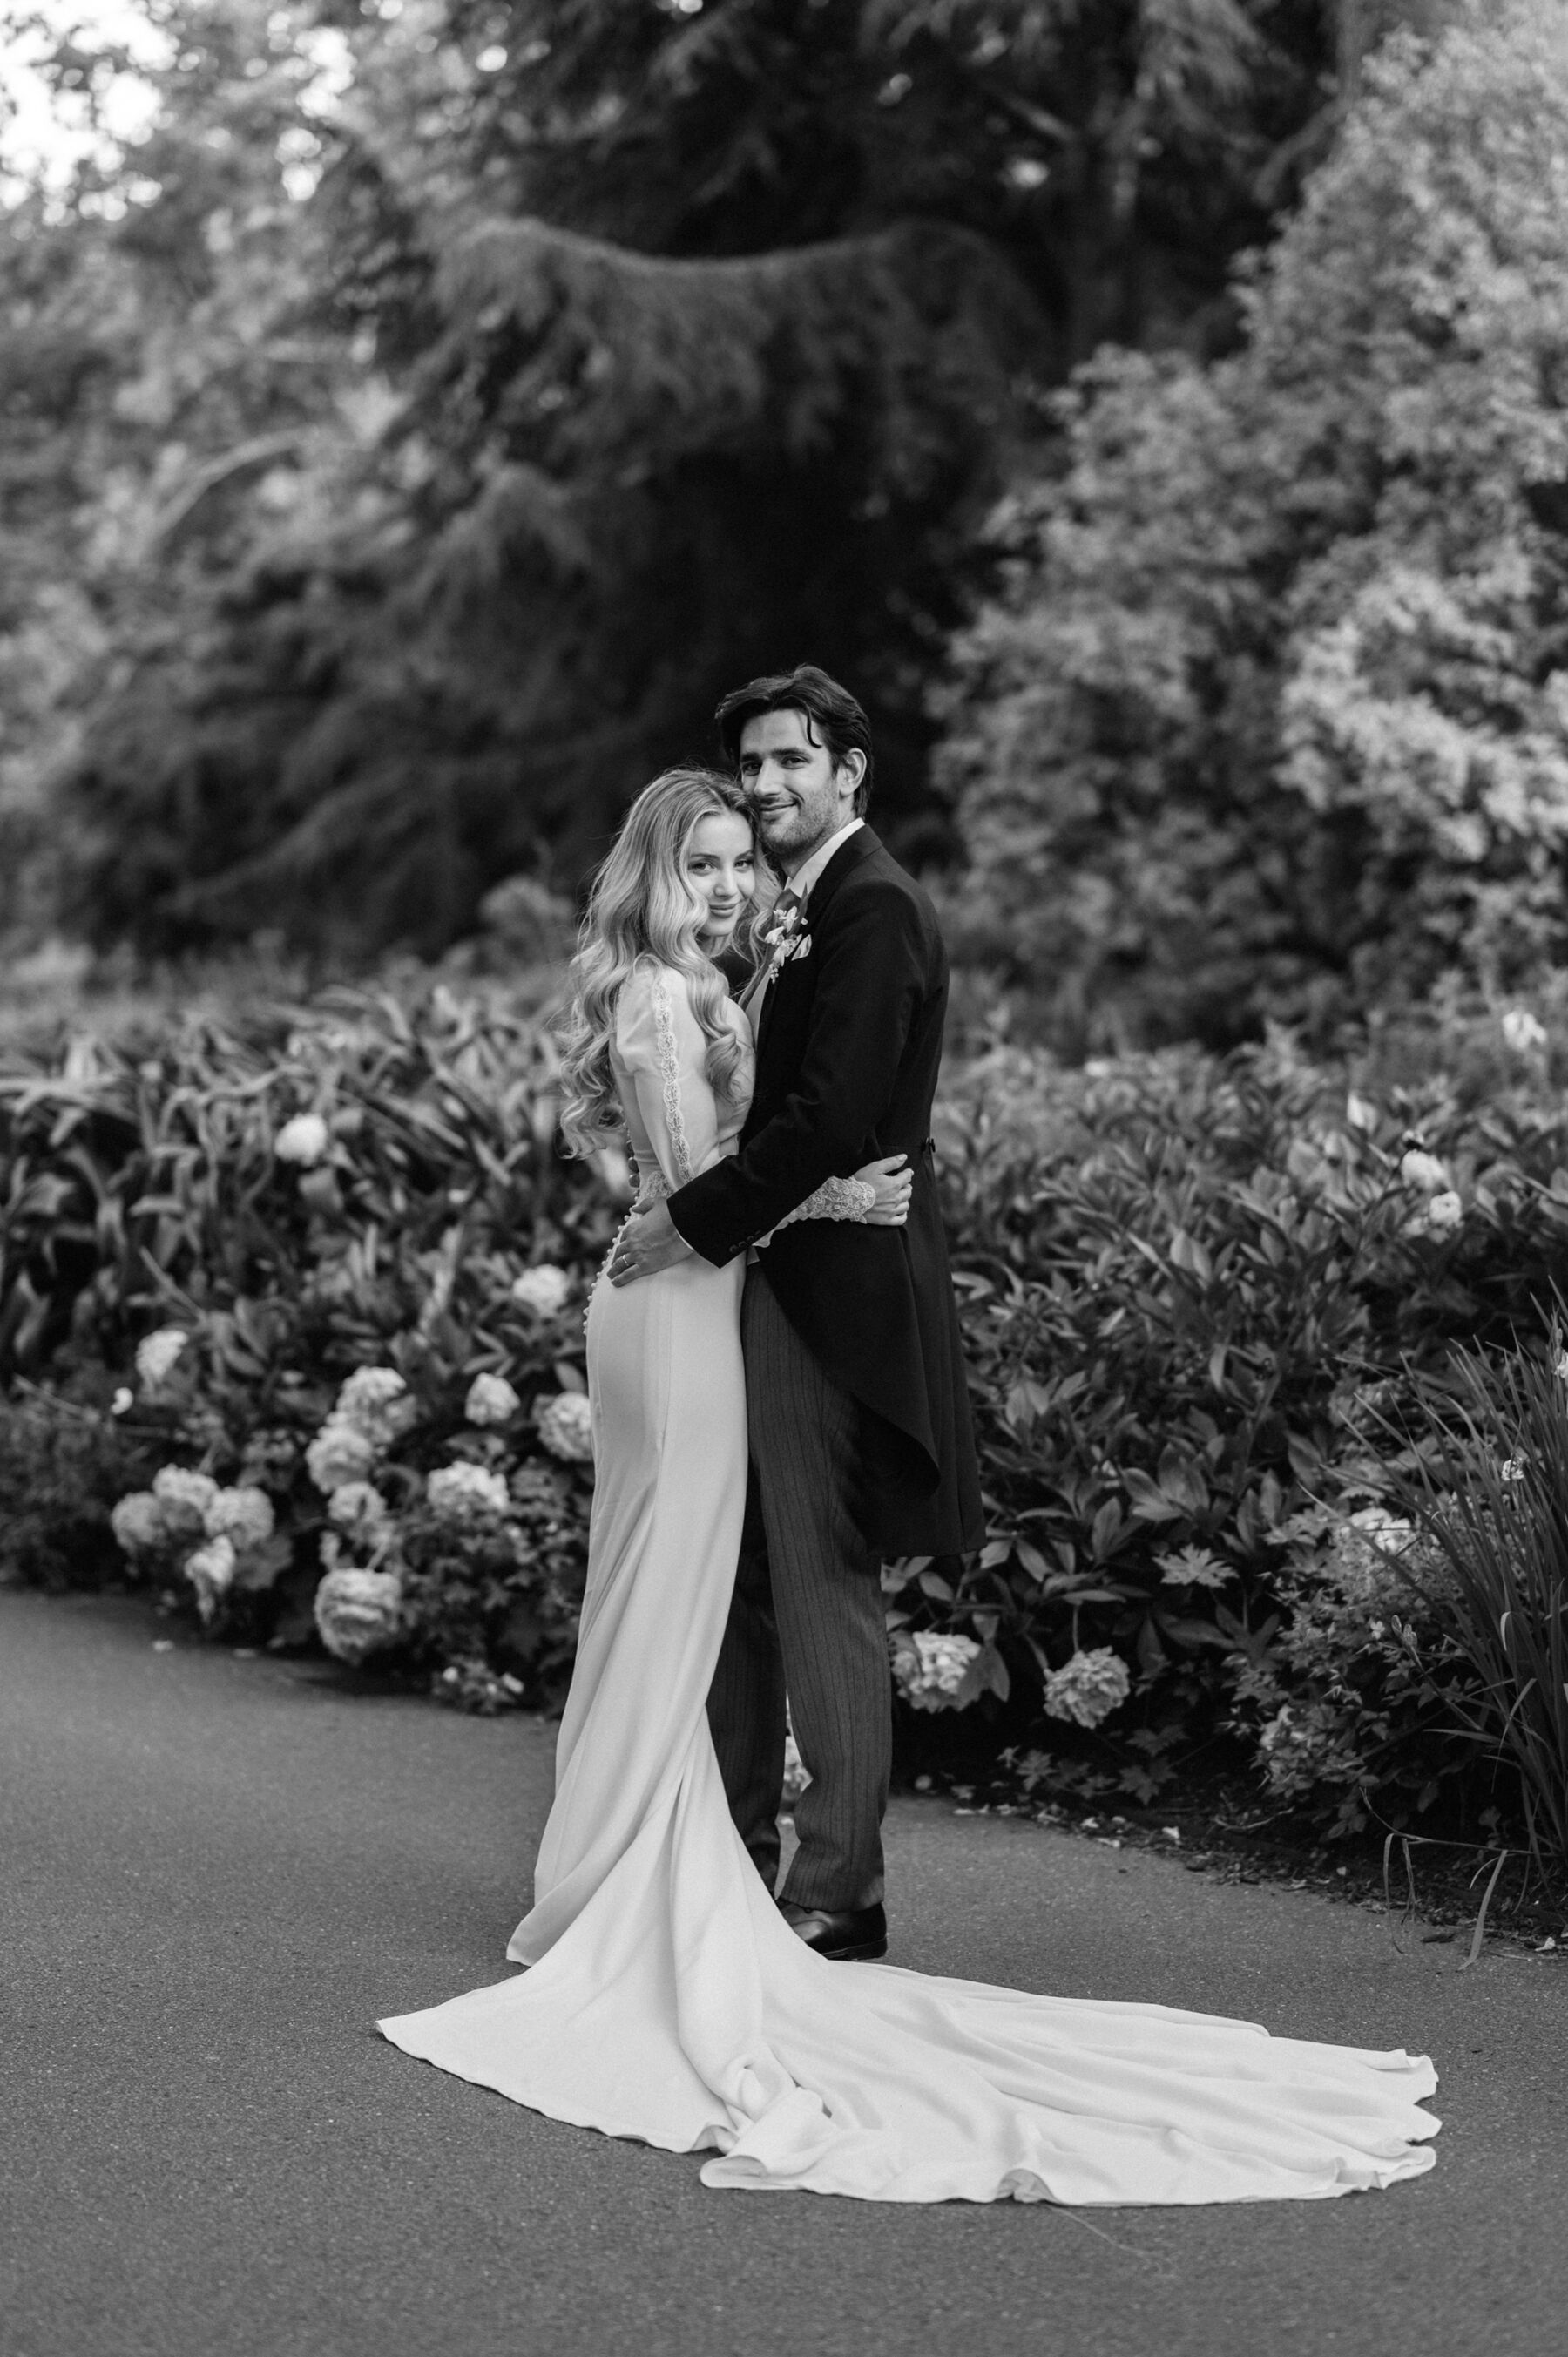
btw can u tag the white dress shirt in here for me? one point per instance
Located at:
(809, 870)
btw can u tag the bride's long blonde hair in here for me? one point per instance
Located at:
(642, 906)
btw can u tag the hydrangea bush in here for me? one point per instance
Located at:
(330, 1272)
(338, 1398)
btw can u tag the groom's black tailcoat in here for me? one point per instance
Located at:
(847, 1053)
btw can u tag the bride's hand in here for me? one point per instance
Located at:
(894, 1183)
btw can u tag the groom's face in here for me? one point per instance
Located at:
(798, 794)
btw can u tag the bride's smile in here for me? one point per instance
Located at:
(719, 871)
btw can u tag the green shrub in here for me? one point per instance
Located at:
(1197, 1293)
(1269, 718)
(235, 1225)
(309, 1298)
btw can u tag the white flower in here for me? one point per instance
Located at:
(1513, 1470)
(931, 1676)
(491, 1400)
(1560, 1366)
(1089, 1687)
(155, 1355)
(1444, 1211)
(375, 1401)
(356, 1506)
(1382, 1530)
(1522, 1030)
(210, 1571)
(466, 1492)
(544, 1290)
(124, 1399)
(1423, 1171)
(567, 1427)
(1360, 1114)
(243, 1515)
(338, 1454)
(137, 1522)
(303, 1139)
(184, 1498)
(357, 1612)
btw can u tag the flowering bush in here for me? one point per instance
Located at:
(379, 1263)
(1200, 1299)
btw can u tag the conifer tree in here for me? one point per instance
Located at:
(657, 341)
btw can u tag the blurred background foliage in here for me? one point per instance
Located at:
(407, 442)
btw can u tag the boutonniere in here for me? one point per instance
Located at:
(783, 929)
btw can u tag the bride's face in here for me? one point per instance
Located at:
(721, 869)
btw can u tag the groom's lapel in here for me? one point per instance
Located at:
(844, 862)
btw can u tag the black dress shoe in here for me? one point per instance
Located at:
(847, 1935)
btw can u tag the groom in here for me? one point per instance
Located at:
(859, 1422)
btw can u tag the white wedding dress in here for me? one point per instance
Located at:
(666, 1998)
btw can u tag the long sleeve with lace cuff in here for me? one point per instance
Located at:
(835, 1198)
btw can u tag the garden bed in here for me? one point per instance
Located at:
(291, 1324)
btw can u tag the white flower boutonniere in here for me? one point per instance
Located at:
(783, 937)
(782, 927)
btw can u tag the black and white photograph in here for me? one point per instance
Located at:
(783, 1177)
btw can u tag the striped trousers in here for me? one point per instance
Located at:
(806, 1619)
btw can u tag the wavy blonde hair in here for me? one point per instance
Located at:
(640, 906)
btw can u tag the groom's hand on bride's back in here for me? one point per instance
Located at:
(649, 1240)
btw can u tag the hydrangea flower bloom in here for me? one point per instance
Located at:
(1088, 1687)
(376, 1402)
(243, 1514)
(544, 1290)
(567, 1427)
(462, 1493)
(938, 1668)
(358, 1612)
(491, 1400)
(137, 1522)
(185, 1498)
(356, 1505)
(339, 1454)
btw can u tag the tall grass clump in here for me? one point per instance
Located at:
(1489, 1491)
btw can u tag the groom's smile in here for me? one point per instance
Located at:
(796, 792)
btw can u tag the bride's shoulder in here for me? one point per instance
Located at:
(653, 994)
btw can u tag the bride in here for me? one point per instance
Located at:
(667, 1997)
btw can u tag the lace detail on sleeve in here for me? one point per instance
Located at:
(835, 1198)
(670, 1076)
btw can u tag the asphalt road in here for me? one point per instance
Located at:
(218, 1871)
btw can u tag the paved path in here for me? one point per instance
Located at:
(216, 1872)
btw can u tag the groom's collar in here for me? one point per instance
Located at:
(845, 852)
(810, 871)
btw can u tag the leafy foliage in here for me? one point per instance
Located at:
(148, 1191)
(1197, 1297)
(443, 407)
(1203, 1302)
(1491, 1495)
(1269, 718)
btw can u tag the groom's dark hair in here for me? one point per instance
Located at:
(832, 716)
